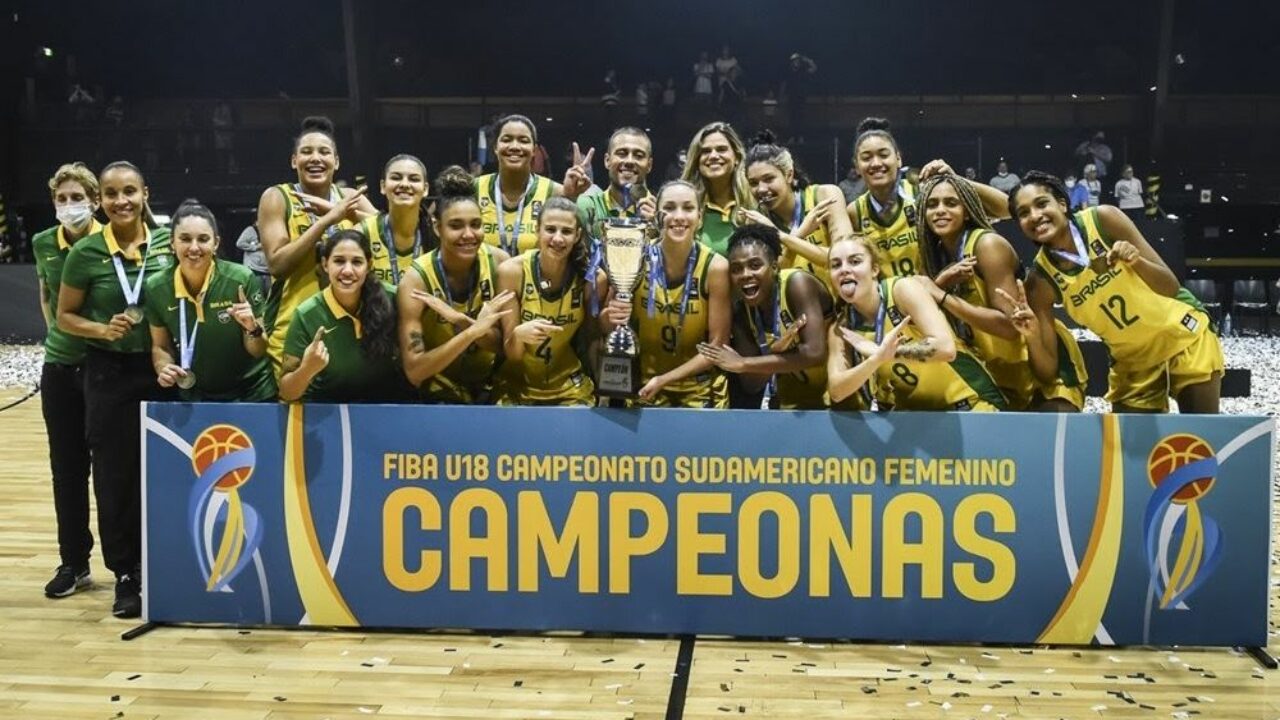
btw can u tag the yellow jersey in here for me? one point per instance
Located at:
(806, 199)
(1137, 324)
(467, 379)
(802, 390)
(962, 384)
(304, 280)
(378, 230)
(552, 373)
(680, 321)
(518, 231)
(894, 244)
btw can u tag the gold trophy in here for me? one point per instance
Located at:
(624, 241)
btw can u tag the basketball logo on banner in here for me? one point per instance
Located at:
(223, 459)
(1183, 545)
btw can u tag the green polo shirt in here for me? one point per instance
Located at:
(89, 268)
(598, 207)
(717, 226)
(349, 376)
(224, 370)
(51, 249)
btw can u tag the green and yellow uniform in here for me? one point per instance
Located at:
(717, 226)
(224, 370)
(599, 207)
(304, 280)
(1007, 360)
(962, 384)
(1158, 345)
(90, 267)
(349, 376)
(670, 337)
(802, 390)
(468, 379)
(806, 199)
(552, 373)
(51, 249)
(517, 234)
(894, 243)
(378, 230)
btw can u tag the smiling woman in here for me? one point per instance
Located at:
(209, 310)
(540, 336)
(101, 301)
(341, 343)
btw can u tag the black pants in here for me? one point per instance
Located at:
(115, 385)
(62, 402)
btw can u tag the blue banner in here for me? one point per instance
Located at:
(1017, 528)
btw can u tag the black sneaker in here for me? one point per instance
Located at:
(128, 602)
(67, 580)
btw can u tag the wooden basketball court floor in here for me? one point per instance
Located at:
(64, 659)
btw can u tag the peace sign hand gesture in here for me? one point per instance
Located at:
(577, 178)
(1023, 318)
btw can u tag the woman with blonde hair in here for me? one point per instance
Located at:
(717, 173)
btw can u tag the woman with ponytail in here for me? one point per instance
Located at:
(293, 219)
(341, 345)
(806, 215)
(553, 293)
(101, 300)
(886, 214)
(401, 234)
(207, 337)
(449, 305)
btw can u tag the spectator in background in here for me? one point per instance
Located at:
(254, 259)
(1079, 194)
(669, 95)
(115, 111)
(612, 91)
(675, 168)
(1096, 151)
(800, 72)
(1004, 181)
(1092, 184)
(703, 71)
(852, 185)
(1129, 192)
(222, 149)
(728, 72)
(642, 99)
(970, 173)
(540, 163)
(770, 103)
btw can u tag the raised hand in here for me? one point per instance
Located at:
(242, 313)
(888, 348)
(957, 272)
(577, 177)
(459, 321)
(816, 217)
(1122, 251)
(790, 336)
(935, 167)
(746, 216)
(860, 343)
(491, 312)
(1023, 318)
(335, 212)
(316, 357)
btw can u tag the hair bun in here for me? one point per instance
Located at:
(873, 123)
(317, 123)
(188, 203)
(764, 137)
(453, 181)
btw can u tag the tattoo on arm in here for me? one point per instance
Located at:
(290, 364)
(919, 350)
(416, 343)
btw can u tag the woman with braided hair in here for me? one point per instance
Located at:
(964, 262)
(886, 214)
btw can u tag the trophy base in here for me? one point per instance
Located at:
(619, 376)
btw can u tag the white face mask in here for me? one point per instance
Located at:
(1071, 182)
(76, 216)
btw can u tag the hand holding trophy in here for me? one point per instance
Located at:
(624, 242)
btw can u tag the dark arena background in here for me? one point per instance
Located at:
(206, 99)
